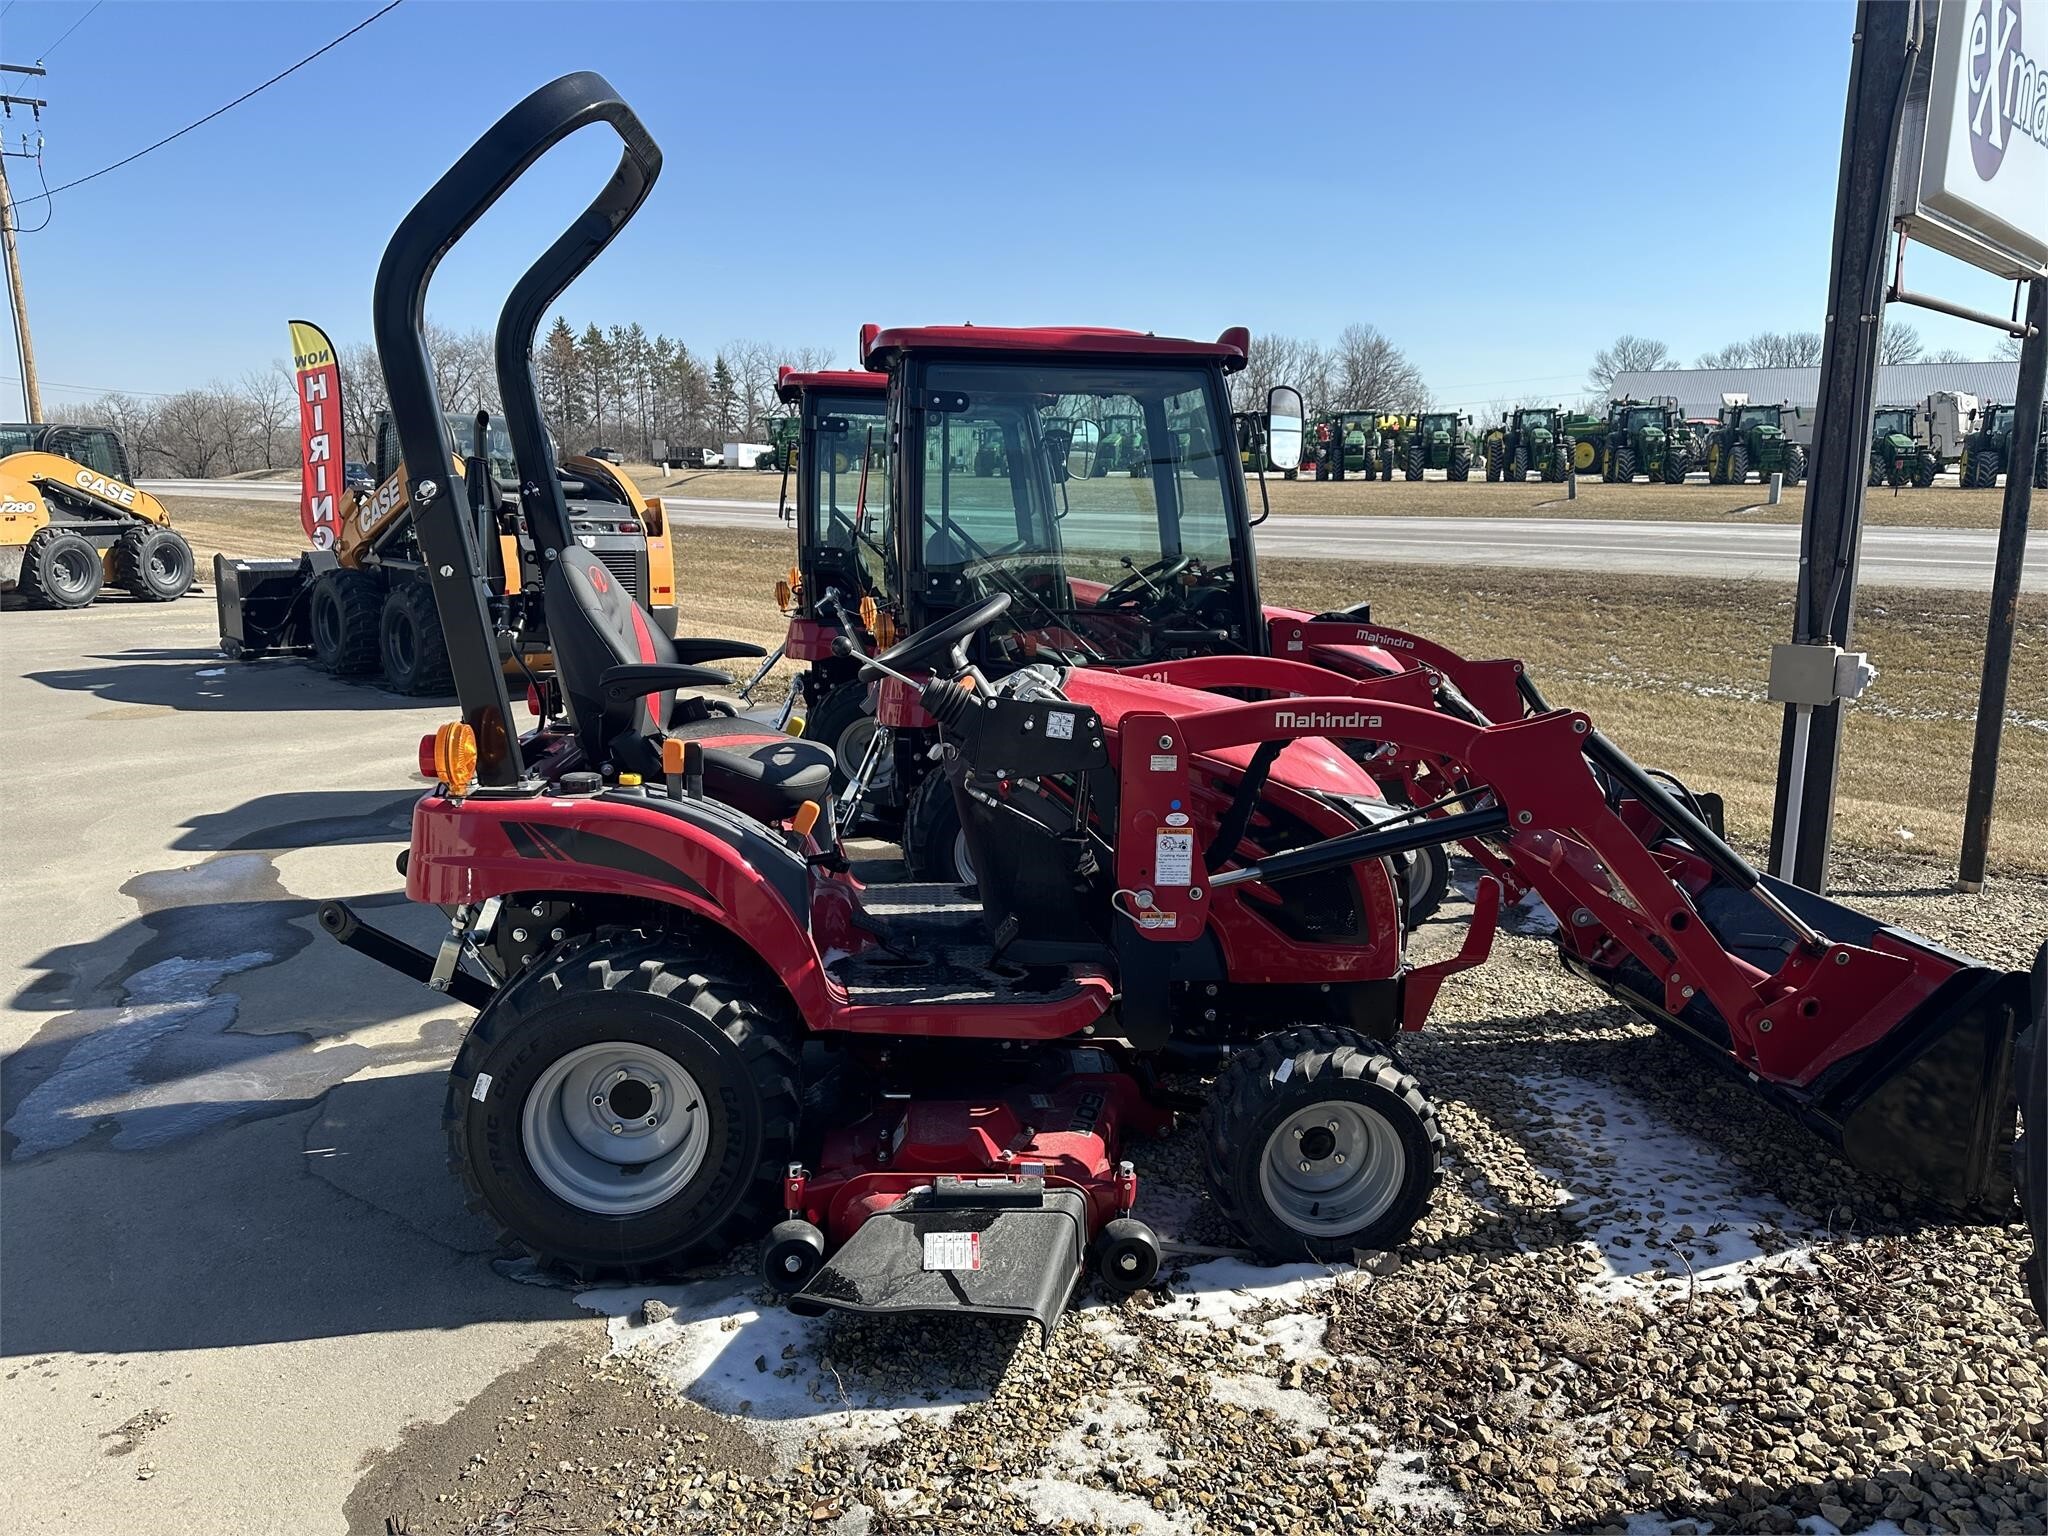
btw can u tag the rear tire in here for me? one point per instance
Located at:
(1738, 464)
(1369, 1180)
(1518, 464)
(344, 613)
(60, 569)
(154, 564)
(1624, 466)
(1795, 465)
(1413, 468)
(1674, 466)
(409, 639)
(1461, 464)
(1983, 470)
(934, 846)
(701, 1048)
(1493, 460)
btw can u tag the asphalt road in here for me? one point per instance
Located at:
(1921, 557)
(227, 1201)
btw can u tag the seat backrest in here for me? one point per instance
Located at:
(594, 623)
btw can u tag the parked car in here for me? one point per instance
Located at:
(609, 455)
(362, 477)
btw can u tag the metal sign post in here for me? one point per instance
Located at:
(1887, 44)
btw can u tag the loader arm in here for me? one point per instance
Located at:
(80, 490)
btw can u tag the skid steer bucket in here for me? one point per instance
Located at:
(262, 604)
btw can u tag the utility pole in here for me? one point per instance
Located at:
(17, 300)
(1802, 823)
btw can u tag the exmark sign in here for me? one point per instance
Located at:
(318, 373)
(1973, 172)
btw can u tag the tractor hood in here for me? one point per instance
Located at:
(1311, 764)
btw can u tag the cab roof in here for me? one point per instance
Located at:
(879, 348)
(790, 384)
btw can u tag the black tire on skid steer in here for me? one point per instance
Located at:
(343, 612)
(410, 641)
(60, 569)
(832, 724)
(1413, 468)
(1624, 466)
(647, 1004)
(1256, 1127)
(934, 847)
(1461, 464)
(154, 564)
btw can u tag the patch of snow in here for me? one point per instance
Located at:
(1662, 1211)
(211, 672)
(1054, 1500)
(1290, 1405)
(1221, 1292)
(1128, 1424)
(711, 1350)
(1299, 1335)
(1401, 1482)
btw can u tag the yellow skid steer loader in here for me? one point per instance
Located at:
(72, 521)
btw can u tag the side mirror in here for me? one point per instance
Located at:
(1081, 446)
(1283, 428)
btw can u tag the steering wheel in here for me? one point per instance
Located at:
(936, 641)
(1135, 588)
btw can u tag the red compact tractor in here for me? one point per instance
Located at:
(697, 1025)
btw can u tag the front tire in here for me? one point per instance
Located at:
(154, 564)
(1625, 466)
(844, 722)
(345, 611)
(1461, 464)
(934, 843)
(626, 1107)
(1738, 464)
(1518, 464)
(1413, 468)
(1316, 1145)
(1983, 470)
(1795, 465)
(61, 569)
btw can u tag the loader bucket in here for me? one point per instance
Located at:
(262, 604)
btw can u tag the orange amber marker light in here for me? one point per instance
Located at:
(455, 757)
(884, 630)
(806, 818)
(869, 614)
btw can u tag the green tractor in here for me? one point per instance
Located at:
(783, 434)
(1587, 436)
(1351, 445)
(1988, 449)
(1531, 439)
(1436, 441)
(990, 460)
(1644, 437)
(1251, 443)
(1897, 456)
(1122, 447)
(1753, 438)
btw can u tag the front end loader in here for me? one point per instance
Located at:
(73, 523)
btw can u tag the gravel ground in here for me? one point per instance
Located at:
(1642, 1301)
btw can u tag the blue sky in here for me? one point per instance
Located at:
(1500, 188)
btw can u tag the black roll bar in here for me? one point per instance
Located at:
(464, 193)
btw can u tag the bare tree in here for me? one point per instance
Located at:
(362, 400)
(1899, 344)
(1628, 354)
(1734, 355)
(2008, 349)
(1948, 355)
(1785, 349)
(271, 413)
(1372, 374)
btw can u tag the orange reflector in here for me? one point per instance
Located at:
(783, 595)
(455, 757)
(671, 757)
(868, 614)
(806, 817)
(884, 630)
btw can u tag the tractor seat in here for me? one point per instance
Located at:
(595, 625)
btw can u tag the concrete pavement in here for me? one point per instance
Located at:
(234, 1261)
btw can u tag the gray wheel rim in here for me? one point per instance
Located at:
(1426, 860)
(852, 747)
(1331, 1168)
(589, 1152)
(72, 570)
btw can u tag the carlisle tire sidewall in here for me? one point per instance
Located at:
(495, 1143)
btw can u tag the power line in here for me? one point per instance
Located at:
(89, 389)
(68, 31)
(218, 111)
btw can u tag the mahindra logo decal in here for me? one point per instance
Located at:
(1313, 720)
(2008, 90)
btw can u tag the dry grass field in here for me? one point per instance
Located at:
(1673, 669)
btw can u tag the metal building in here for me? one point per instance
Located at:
(1699, 390)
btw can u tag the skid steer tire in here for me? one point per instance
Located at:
(934, 846)
(411, 644)
(1413, 468)
(60, 569)
(1624, 466)
(701, 1044)
(845, 722)
(1271, 1110)
(153, 564)
(344, 613)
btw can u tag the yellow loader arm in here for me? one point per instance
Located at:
(38, 477)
